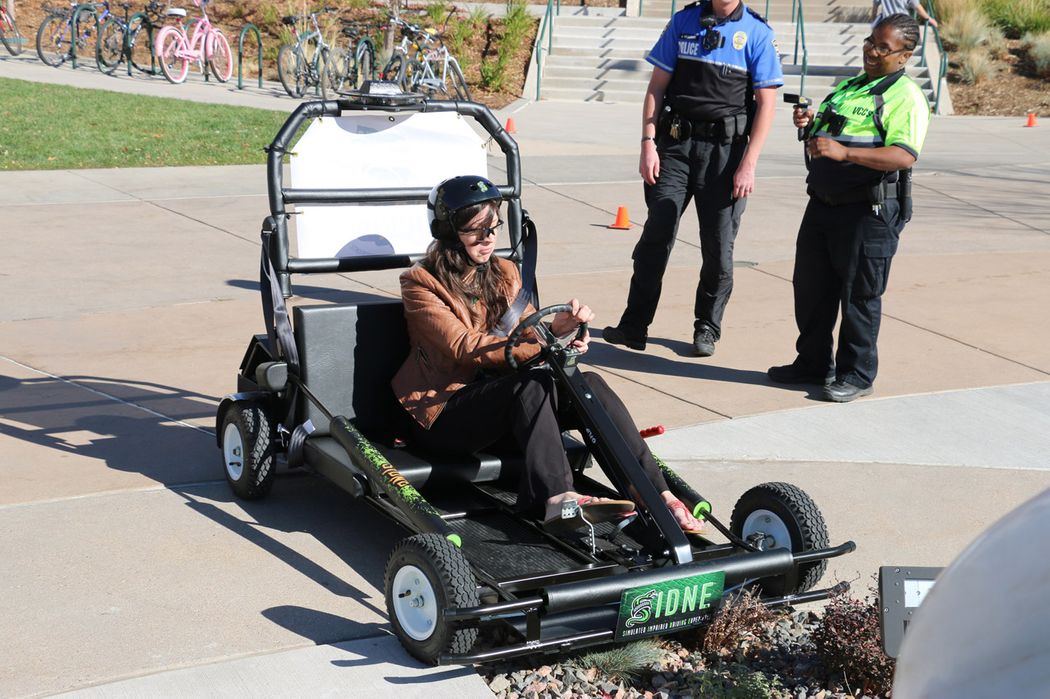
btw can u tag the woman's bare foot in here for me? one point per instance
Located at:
(554, 503)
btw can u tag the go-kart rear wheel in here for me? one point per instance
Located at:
(426, 573)
(248, 450)
(781, 515)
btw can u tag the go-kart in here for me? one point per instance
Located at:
(476, 580)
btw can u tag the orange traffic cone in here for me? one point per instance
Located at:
(623, 221)
(1031, 120)
(510, 128)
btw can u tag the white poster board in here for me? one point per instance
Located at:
(369, 151)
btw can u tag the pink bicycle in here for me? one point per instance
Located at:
(205, 44)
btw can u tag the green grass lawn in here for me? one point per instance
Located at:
(51, 127)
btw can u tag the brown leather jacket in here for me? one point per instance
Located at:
(448, 347)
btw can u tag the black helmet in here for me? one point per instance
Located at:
(453, 195)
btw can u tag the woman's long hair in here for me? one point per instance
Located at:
(483, 288)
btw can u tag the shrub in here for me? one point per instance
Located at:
(739, 616)
(1038, 46)
(623, 662)
(948, 9)
(493, 73)
(1018, 17)
(975, 67)
(966, 30)
(477, 17)
(849, 640)
(436, 13)
(733, 682)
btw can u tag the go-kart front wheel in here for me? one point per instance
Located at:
(781, 515)
(248, 450)
(426, 573)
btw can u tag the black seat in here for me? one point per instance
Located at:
(348, 354)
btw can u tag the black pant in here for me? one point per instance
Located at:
(842, 260)
(524, 406)
(693, 168)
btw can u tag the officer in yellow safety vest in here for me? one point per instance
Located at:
(860, 147)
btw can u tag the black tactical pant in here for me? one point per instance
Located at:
(842, 261)
(523, 409)
(700, 169)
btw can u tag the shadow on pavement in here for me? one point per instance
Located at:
(316, 293)
(99, 418)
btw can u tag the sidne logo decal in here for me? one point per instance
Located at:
(668, 606)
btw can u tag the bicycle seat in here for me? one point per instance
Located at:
(175, 12)
(290, 20)
(126, 5)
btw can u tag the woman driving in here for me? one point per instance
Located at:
(455, 383)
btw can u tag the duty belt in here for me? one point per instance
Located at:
(869, 194)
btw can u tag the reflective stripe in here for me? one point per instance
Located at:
(847, 140)
(720, 64)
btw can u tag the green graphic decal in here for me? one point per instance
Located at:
(669, 606)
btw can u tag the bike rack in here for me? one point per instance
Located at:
(74, 27)
(143, 19)
(240, 55)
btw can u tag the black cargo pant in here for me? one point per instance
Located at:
(842, 261)
(525, 407)
(700, 169)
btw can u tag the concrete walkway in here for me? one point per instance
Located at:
(129, 569)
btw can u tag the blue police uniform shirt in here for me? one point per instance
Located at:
(707, 85)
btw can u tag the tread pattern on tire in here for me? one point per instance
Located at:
(807, 517)
(258, 459)
(457, 584)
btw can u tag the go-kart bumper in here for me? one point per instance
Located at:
(583, 613)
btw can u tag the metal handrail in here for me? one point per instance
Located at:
(546, 31)
(800, 31)
(942, 69)
(240, 54)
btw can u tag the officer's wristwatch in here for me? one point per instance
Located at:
(648, 138)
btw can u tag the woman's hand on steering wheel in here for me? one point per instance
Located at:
(567, 319)
(566, 322)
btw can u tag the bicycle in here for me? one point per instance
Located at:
(10, 37)
(406, 54)
(349, 67)
(59, 36)
(119, 40)
(296, 70)
(205, 44)
(450, 82)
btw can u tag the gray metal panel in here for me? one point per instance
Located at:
(348, 355)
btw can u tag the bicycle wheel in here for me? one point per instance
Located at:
(52, 42)
(364, 63)
(326, 70)
(9, 34)
(220, 57)
(392, 69)
(140, 46)
(109, 51)
(291, 69)
(459, 89)
(170, 44)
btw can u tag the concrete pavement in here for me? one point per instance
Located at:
(131, 294)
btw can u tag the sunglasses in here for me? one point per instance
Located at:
(483, 232)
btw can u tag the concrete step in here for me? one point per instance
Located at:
(585, 95)
(591, 52)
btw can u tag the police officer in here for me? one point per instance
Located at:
(706, 114)
(860, 148)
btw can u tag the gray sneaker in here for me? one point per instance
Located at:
(704, 342)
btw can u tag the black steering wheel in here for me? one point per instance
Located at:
(552, 342)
